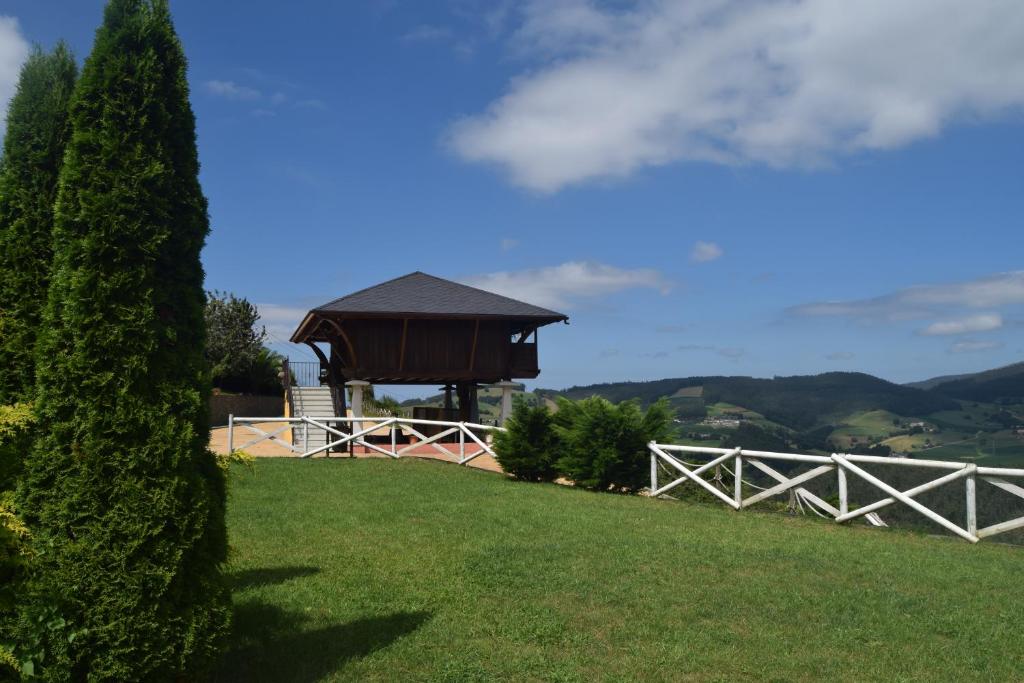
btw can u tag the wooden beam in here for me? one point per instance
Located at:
(472, 353)
(348, 342)
(401, 353)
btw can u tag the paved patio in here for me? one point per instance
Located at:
(269, 449)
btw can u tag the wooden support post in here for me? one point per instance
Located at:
(401, 352)
(472, 351)
(844, 496)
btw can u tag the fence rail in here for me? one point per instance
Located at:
(843, 466)
(358, 430)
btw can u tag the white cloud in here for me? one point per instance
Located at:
(974, 323)
(13, 51)
(507, 243)
(560, 286)
(608, 90)
(973, 346)
(231, 90)
(926, 301)
(705, 251)
(280, 321)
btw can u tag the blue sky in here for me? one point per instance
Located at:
(758, 188)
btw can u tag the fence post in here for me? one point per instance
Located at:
(305, 437)
(844, 499)
(394, 439)
(738, 490)
(654, 471)
(972, 502)
(231, 434)
(462, 441)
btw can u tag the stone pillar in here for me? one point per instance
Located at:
(506, 399)
(357, 386)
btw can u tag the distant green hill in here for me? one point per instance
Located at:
(1001, 385)
(799, 402)
(935, 381)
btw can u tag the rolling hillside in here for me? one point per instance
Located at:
(978, 417)
(798, 402)
(1002, 385)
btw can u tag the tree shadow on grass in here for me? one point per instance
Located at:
(271, 644)
(268, 576)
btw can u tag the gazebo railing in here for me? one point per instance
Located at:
(842, 466)
(304, 373)
(470, 446)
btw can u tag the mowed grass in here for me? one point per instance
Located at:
(379, 570)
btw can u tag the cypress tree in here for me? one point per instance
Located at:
(33, 149)
(124, 500)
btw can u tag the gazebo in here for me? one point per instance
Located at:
(421, 329)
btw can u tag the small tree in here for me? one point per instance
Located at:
(123, 498)
(529, 447)
(234, 339)
(605, 445)
(37, 132)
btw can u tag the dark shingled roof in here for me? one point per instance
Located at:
(419, 294)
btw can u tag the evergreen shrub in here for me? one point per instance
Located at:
(604, 445)
(37, 132)
(528, 449)
(124, 501)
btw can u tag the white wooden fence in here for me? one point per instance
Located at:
(842, 466)
(470, 445)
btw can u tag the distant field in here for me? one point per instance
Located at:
(865, 426)
(373, 570)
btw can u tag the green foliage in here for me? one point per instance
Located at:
(755, 438)
(123, 497)
(14, 562)
(234, 348)
(604, 446)
(16, 422)
(37, 133)
(528, 448)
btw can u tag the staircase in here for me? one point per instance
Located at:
(312, 402)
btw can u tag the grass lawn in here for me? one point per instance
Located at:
(413, 570)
